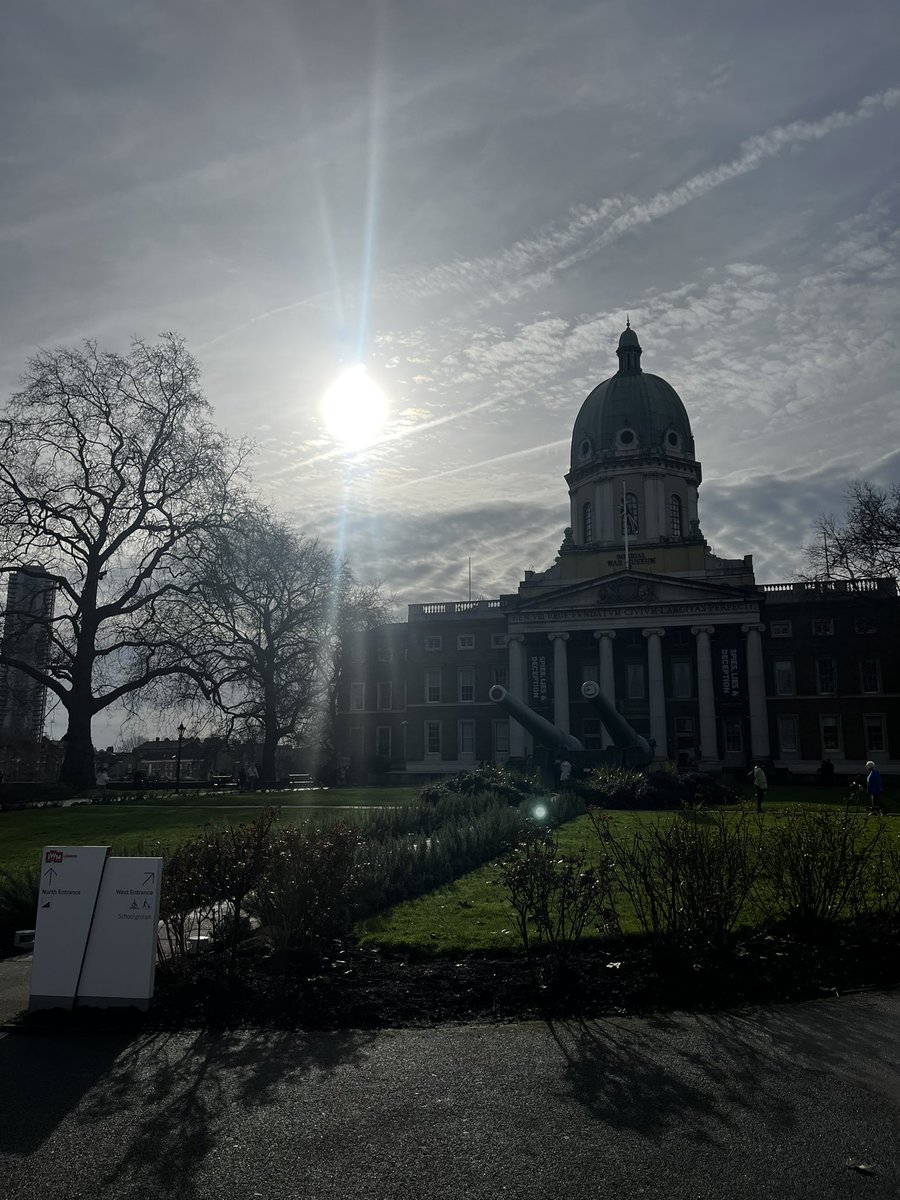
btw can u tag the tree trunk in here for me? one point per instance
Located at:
(77, 768)
(267, 769)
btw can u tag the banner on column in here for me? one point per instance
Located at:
(540, 675)
(729, 669)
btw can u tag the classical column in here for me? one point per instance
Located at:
(516, 643)
(560, 681)
(607, 673)
(756, 692)
(709, 755)
(656, 690)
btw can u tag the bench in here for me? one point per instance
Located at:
(301, 780)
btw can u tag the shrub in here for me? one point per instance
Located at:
(685, 878)
(490, 779)
(556, 897)
(303, 896)
(816, 865)
(19, 891)
(611, 787)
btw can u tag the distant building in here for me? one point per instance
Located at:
(718, 670)
(26, 636)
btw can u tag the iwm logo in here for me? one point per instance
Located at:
(53, 856)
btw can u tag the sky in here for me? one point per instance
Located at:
(468, 197)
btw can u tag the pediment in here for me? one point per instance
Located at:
(624, 588)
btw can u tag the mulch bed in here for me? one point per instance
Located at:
(355, 988)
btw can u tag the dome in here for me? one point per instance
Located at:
(633, 412)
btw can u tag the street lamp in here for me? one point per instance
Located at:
(178, 759)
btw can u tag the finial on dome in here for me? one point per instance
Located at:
(627, 320)
(629, 351)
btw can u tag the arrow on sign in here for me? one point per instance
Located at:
(50, 873)
(47, 905)
(150, 877)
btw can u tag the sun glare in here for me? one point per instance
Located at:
(355, 408)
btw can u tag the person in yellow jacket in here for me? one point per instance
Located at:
(760, 785)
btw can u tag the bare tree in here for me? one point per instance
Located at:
(865, 541)
(111, 478)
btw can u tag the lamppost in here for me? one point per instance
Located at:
(178, 759)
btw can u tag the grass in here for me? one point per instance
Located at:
(472, 914)
(157, 824)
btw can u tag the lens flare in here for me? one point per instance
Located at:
(354, 408)
(539, 812)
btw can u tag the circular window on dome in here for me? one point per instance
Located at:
(626, 437)
(672, 439)
(585, 448)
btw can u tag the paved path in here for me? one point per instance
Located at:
(783, 1102)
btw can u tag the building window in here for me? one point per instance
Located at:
(357, 697)
(590, 672)
(432, 687)
(682, 680)
(384, 695)
(466, 683)
(500, 675)
(432, 739)
(592, 733)
(498, 641)
(465, 641)
(830, 729)
(876, 734)
(385, 653)
(787, 735)
(466, 733)
(864, 625)
(733, 740)
(383, 742)
(635, 681)
(433, 642)
(784, 677)
(871, 676)
(630, 519)
(676, 517)
(780, 629)
(501, 737)
(826, 678)
(587, 522)
(823, 626)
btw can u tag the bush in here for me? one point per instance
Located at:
(817, 863)
(19, 891)
(303, 896)
(616, 787)
(490, 779)
(556, 897)
(685, 878)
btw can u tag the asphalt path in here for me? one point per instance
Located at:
(799, 1101)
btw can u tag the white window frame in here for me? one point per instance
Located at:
(781, 629)
(433, 641)
(465, 683)
(785, 719)
(676, 523)
(590, 672)
(358, 696)
(380, 731)
(730, 727)
(587, 522)
(869, 720)
(829, 721)
(430, 727)
(876, 664)
(864, 625)
(500, 675)
(823, 626)
(825, 690)
(465, 641)
(465, 731)
(385, 691)
(432, 686)
(498, 641)
(500, 737)
(385, 653)
(789, 664)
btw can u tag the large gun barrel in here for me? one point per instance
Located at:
(541, 729)
(617, 727)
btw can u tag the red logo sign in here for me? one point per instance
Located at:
(53, 856)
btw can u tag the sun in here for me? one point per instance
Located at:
(354, 408)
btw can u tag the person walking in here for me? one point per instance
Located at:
(252, 777)
(873, 788)
(760, 784)
(565, 771)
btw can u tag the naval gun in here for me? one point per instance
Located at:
(629, 749)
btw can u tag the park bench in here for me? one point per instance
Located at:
(300, 780)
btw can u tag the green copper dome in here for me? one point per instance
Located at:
(631, 414)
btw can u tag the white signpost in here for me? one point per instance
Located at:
(95, 934)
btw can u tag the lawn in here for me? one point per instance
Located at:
(158, 822)
(472, 914)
